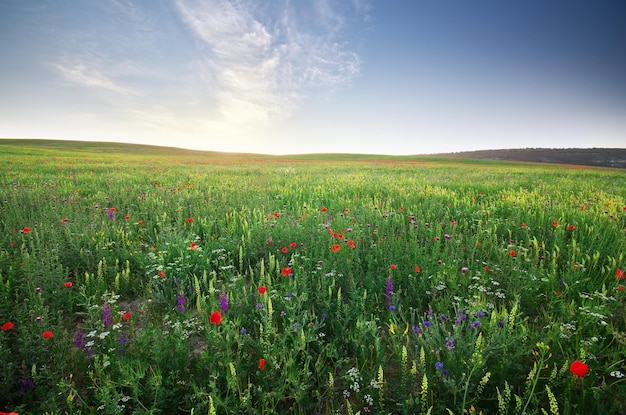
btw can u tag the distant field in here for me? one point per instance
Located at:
(144, 280)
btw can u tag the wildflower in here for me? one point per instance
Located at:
(449, 343)
(47, 334)
(126, 316)
(162, 274)
(446, 236)
(579, 368)
(486, 268)
(464, 269)
(25, 229)
(262, 364)
(68, 284)
(181, 302)
(523, 225)
(416, 330)
(620, 288)
(392, 307)
(439, 365)
(243, 330)
(555, 224)
(571, 227)
(417, 268)
(512, 253)
(216, 318)
(335, 247)
(224, 303)
(500, 323)
(351, 243)
(7, 326)
(287, 271)
(193, 246)
(427, 323)
(293, 245)
(389, 290)
(262, 289)
(284, 250)
(107, 317)
(323, 210)
(392, 266)
(189, 220)
(620, 274)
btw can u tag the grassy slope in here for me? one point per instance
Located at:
(106, 151)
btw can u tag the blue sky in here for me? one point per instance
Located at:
(299, 76)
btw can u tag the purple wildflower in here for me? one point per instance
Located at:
(389, 290)
(182, 301)
(449, 343)
(224, 303)
(107, 317)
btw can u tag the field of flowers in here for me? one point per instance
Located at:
(153, 285)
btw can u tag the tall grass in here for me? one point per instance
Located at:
(184, 285)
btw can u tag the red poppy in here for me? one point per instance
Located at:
(127, 217)
(284, 250)
(555, 224)
(620, 288)
(276, 214)
(140, 222)
(189, 220)
(486, 267)
(620, 274)
(335, 247)
(7, 326)
(47, 334)
(417, 268)
(216, 318)
(346, 210)
(112, 209)
(26, 229)
(523, 225)
(293, 245)
(161, 274)
(323, 209)
(262, 364)
(392, 266)
(287, 271)
(126, 316)
(9, 413)
(192, 245)
(68, 284)
(571, 227)
(512, 253)
(262, 289)
(351, 243)
(64, 220)
(579, 368)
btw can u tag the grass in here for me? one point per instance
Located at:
(186, 282)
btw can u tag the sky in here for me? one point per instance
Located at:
(395, 77)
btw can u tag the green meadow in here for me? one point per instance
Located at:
(146, 280)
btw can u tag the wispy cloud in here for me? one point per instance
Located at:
(91, 77)
(263, 61)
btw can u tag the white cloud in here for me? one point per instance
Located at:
(263, 61)
(83, 75)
